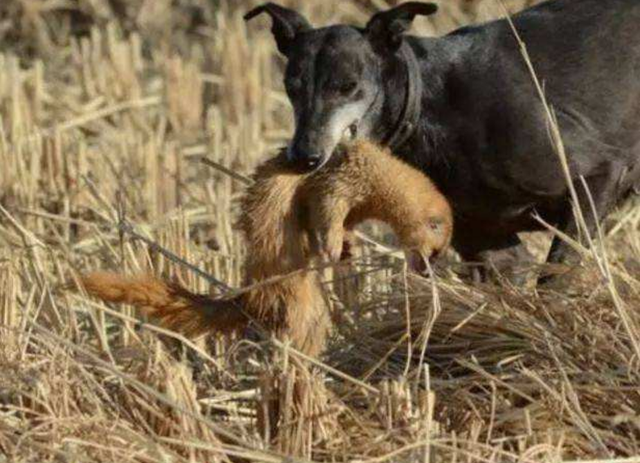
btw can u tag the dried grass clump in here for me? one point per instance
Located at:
(91, 132)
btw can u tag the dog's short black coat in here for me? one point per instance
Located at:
(482, 132)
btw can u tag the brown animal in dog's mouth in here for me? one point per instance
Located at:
(288, 220)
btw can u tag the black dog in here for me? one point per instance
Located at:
(464, 108)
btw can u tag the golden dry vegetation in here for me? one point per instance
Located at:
(106, 109)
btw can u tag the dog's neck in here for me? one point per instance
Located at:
(430, 143)
(409, 107)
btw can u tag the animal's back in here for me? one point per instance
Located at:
(585, 52)
(380, 186)
(586, 55)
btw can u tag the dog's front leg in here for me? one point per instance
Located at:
(493, 255)
(596, 196)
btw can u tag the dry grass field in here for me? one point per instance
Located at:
(106, 111)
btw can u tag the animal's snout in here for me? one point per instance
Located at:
(421, 263)
(305, 160)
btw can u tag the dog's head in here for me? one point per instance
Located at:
(336, 76)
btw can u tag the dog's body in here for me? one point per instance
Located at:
(480, 128)
(281, 213)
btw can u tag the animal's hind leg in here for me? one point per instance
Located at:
(603, 191)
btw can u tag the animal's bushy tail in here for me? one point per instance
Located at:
(173, 306)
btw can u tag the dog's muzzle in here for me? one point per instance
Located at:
(304, 161)
(308, 160)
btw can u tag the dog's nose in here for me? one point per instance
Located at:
(306, 161)
(312, 161)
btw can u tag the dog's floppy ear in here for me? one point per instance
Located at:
(384, 30)
(286, 23)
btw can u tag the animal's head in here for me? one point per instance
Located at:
(428, 238)
(336, 77)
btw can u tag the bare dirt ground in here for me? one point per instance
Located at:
(106, 108)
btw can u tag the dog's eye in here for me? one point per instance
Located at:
(348, 87)
(343, 88)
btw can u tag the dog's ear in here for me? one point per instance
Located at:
(384, 30)
(286, 24)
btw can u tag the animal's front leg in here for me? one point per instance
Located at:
(327, 227)
(512, 262)
(600, 192)
(491, 254)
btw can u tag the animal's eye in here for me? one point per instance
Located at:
(348, 87)
(435, 225)
(345, 88)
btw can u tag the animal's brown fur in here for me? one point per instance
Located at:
(173, 306)
(287, 219)
(368, 182)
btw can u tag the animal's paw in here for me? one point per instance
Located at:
(329, 244)
(571, 279)
(347, 247)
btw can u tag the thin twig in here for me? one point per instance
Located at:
(125, 227)
(233, 174)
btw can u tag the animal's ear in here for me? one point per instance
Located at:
(286, 24)
(384, 30)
